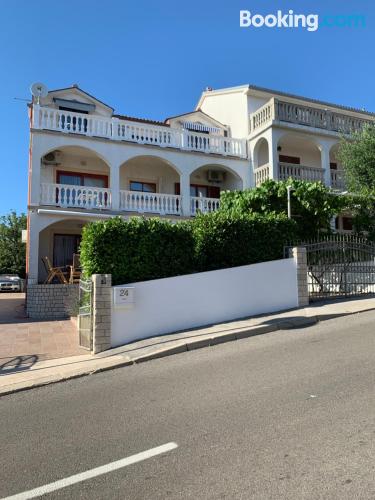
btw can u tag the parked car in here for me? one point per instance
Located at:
(10, 283)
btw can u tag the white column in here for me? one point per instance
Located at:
(32, 252)
(325, 163)
(273, 154)
(35, 158)
(248, 177)
(114, 184)
(185, 193)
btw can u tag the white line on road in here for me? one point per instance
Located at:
(98, 471)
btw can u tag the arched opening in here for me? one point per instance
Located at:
(299, 158)
(261, 161)
(206, 184)
(59, 242)
(73, 176)
(149, 184)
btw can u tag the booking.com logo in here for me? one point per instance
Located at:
(311, 22)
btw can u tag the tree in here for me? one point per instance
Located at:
(313, 204)
(357, 156)
(12, 250)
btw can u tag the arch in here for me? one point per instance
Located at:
(75, 159)
(232, 180)
(77, 147)
(296, 146)
(70, 229)
(150, 172)
(261, 153)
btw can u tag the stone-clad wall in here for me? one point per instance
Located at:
(52, 301)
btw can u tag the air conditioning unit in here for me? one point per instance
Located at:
(215, 176)
(53, 158)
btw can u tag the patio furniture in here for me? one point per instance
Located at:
(75, 270)
(53, 272)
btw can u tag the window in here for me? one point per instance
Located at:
(294, 160)
(200, 190)
(333, 165)
(347, 223)
(81, 179)
(144, 187)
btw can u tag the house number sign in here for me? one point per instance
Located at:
(123, 296)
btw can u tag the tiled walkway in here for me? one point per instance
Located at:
(24, 341)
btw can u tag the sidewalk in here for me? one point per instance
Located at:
(25, 376)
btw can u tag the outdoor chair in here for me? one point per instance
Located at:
(75, 269)
(53, 272)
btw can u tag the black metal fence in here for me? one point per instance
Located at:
(340, 266)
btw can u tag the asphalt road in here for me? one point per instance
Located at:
(286, 415)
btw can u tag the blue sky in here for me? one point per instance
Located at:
(153, 58)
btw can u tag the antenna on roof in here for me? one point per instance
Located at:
(38, 90)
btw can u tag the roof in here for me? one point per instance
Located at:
(196, 111)
(286, 94)
(83, 92)
(141, 120)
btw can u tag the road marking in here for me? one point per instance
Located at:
(98, 471)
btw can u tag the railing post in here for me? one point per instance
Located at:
(36, 113)
(115, 126)
(300, 259)
(101, 312)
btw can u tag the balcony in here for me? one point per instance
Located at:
(69, 122)
(285, 112)
(300, 172)
(93, 198)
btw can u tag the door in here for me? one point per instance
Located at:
(64, 246)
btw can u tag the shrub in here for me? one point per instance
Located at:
(144, 249)
(138, 249)
(226, 240)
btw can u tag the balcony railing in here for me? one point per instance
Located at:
(338, 180)
(300, 172)
(283, 111)
(69, 196)
(65, 195)
(158, 203)
(204, 205)
(140, 133)
(261, 174)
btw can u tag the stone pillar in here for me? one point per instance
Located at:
(273, 154)
(300, 258)
(101, 312)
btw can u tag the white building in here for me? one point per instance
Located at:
(88, 163)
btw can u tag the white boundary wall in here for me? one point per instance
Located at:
(182, 302)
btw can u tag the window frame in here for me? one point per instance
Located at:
(82, 175)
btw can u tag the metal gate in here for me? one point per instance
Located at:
(340, 266)
(85, 313)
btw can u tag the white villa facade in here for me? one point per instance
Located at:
(88, 163)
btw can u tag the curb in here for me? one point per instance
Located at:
(196, 343)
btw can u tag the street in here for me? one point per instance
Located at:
(285, 415)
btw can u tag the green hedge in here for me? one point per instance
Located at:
(142, 249)
(227, 240)
(137, 250)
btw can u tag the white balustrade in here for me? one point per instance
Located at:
(140, 133)
(338, 180)
(204, 205)
(263, 115)
(298, 114)
(158, 203)
(261, 174)
(300, 172)
(65, 195)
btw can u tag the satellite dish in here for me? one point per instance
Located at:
(38, 90)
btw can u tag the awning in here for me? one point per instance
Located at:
(199, 127)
